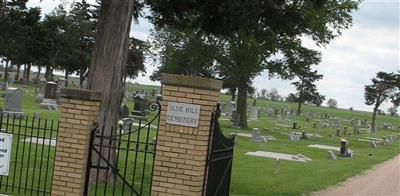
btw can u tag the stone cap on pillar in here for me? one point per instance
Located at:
(81, 94)
(190, 81)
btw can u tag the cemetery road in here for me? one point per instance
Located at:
(382, 180)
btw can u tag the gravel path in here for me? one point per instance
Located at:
(383, 180)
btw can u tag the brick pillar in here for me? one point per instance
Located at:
(181, 151)
(79, 109)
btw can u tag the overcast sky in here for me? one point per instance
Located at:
(348, 62)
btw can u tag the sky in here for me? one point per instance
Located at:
(348, 63)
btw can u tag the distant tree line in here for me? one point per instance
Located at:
(61, 40)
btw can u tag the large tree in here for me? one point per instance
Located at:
(109, 59)
(306, 89)
(82, 18)
(17, 25)
(385, 86)
(179, 52)
(269, 28)
(332, 103)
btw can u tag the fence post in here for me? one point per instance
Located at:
(182, 140)
(79, 109)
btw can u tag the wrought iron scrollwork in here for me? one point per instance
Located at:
(155, 105)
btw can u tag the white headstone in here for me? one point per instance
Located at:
(254, 114)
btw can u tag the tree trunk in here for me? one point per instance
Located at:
(299, 107)
(16, 78)
(300, 99)
(6, 71)
(38, 73)
(242, 102)
(373, 121)
(47, 73)
(24, 75)
(108, 61)
(81, 79)
(66, 77)
(233, 94)
(28, 72)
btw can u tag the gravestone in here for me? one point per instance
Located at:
(314, 125)
(254, 114)
(304, 135)
(374, 144)
(140, 105)
(294, 126)
(231, 106)
(276, 111)
(50, 90)
(42, 89)
(343, 147)
(61, 82)
(294, 137)
(256, 137)
(270, 112)
(236, 120)
(49, 100)
(278, 118)
(370, 129)
(13, 102)
(126, 125)
(356, 131)
(10, 80)
(36, 115)
(233, 115)
(331, 155)
(4, 86)
(337, 133)
(124, 111)
(223, 107)
(391, 138)
(334, 123)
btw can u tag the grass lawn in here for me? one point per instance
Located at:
(253, 175)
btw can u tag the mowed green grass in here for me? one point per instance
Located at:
(255, 175)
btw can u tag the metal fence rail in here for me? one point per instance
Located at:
(32, 155)
(120, 160)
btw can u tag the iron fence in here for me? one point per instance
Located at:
(32, 154)
(120, 160)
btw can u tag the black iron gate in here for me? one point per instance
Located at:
(220, 159)
(122, 163)
(31, 162)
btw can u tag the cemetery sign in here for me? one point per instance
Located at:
(5, 152)
(183, 114)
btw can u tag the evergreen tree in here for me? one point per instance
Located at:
(385, 86)
(306, 89)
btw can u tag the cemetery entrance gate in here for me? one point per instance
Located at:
(220, 158)
(122, 163)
